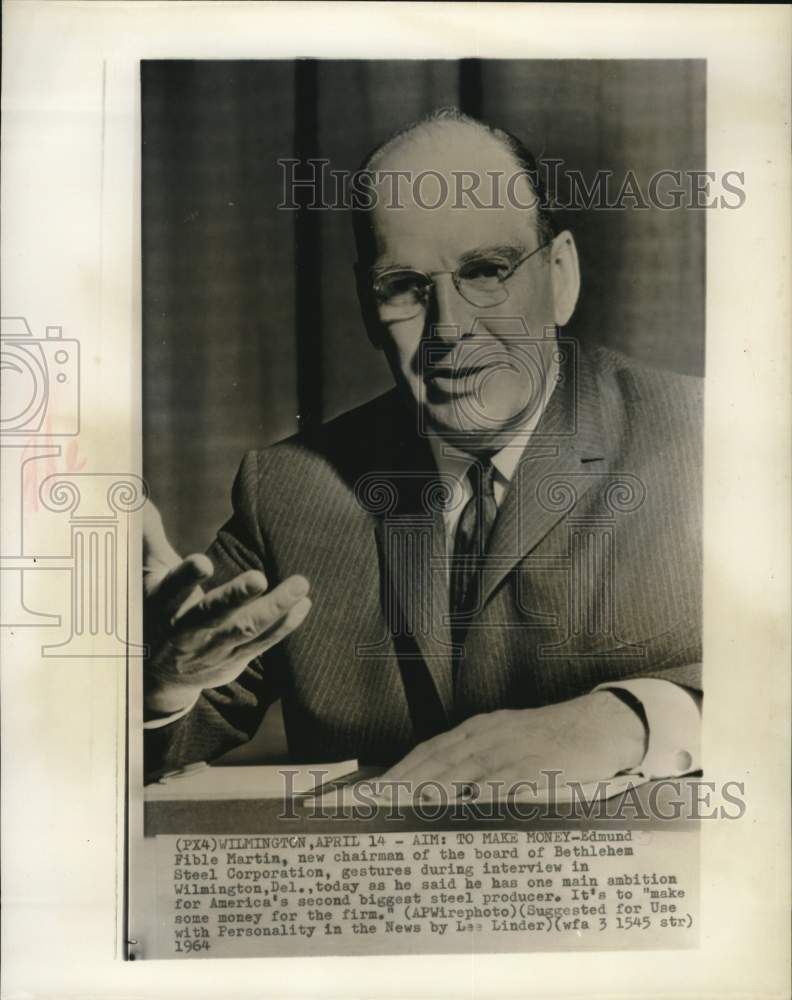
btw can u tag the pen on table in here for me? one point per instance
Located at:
(182, 771)
(345, 779)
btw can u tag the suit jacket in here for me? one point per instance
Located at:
(592, 571)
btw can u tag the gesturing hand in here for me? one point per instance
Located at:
(203, 640)
(590, 738)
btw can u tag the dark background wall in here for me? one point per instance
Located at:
(249, 312)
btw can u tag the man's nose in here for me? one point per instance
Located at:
(450, 317)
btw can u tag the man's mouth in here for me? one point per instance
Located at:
(455, 373)
(445, 382)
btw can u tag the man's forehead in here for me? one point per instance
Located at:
(438, 239)
(445, 190)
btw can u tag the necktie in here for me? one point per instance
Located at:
(470, 541)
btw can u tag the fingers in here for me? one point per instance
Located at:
(238, 613)
(209, 643)
(287, 594)
(473, 768)
(249, 650)
(469, 755)
(259, 619)
(202, 665)
(426, 752)
(507, 752)
(216, 608)
(177, 586)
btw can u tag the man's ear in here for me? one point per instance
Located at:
(367, 306)
(565, 275)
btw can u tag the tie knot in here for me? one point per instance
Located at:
(481, 476)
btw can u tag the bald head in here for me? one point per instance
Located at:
(433, 132)
(448, 160)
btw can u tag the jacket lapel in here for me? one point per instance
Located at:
(565, 457)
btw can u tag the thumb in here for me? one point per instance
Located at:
(180, 585)
(168, 579)
(159, 556)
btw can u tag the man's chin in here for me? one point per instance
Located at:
(474, 435)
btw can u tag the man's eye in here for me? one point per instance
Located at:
(400, 285)
(485, 271)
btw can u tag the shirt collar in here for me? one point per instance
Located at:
(453, 460)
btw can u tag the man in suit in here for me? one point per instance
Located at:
(503, 553)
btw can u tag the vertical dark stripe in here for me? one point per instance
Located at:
(307, 250)
(470, 87)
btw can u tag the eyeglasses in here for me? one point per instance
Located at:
(402, 293)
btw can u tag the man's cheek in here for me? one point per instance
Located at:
(403, 349)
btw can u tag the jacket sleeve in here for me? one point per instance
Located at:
(687, 675)
(227, 716)
(680, 661)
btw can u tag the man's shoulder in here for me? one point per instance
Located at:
(338, 451)
(637, 379)
(648, 414)
(644, 391)
(371, 425)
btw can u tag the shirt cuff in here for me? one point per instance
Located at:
(165, 720)
(673, 721)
